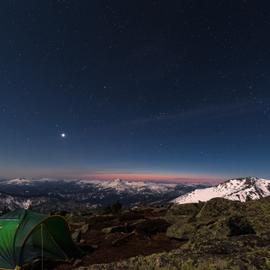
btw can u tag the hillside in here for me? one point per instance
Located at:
(219, 234)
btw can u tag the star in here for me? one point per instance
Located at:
(63, 135)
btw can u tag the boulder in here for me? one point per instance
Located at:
(126, 228)
(152, 226)
(239, 225)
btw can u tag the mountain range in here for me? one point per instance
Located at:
(55, 195)
(50, 194)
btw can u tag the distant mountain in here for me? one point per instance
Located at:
(18, 181)
(137, 186)
(49, 195)
(240, 189)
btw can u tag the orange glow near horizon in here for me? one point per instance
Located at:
(141, 176)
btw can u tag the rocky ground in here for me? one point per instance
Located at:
(218, 234)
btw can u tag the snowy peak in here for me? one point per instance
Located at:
(240, 189)
(19, 181)
(132, 186)
(116, 184)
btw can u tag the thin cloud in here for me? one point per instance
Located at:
(209, 112)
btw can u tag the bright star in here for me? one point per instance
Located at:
(63, 135)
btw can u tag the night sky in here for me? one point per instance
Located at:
(136, 89)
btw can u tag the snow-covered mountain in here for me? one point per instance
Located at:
(240, 189)
(18, 181)
(135, 186)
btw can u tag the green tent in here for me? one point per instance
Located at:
(26, 235)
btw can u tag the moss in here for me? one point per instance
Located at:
(267, 263)
(219, 207)
(183, 213)
(182, 232)
(172, 260)
(220, 234)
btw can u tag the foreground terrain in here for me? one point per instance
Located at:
(218, 234)
(148, 228)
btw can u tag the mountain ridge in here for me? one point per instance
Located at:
(238, 189)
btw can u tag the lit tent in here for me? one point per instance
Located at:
(26, 235)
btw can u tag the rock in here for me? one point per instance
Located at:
(130, 215)
(94, 246)
(84, 229)
(161, 262)
(152, 226)
(77, 263)
(137, 222)
(126, 228)
(122, 239)
(217, 207)
(239, 225)
(76, 236)
(77, 224)
(82, 241)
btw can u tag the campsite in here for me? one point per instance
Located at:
(134, 135)
(150, 236)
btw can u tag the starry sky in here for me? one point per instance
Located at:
(140, 89)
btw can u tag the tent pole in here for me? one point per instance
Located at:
(42, 255)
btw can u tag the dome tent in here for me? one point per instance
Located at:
(26, 235)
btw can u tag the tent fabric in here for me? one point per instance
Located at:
(26, 235)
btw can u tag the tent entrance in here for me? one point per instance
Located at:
(41, 244)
